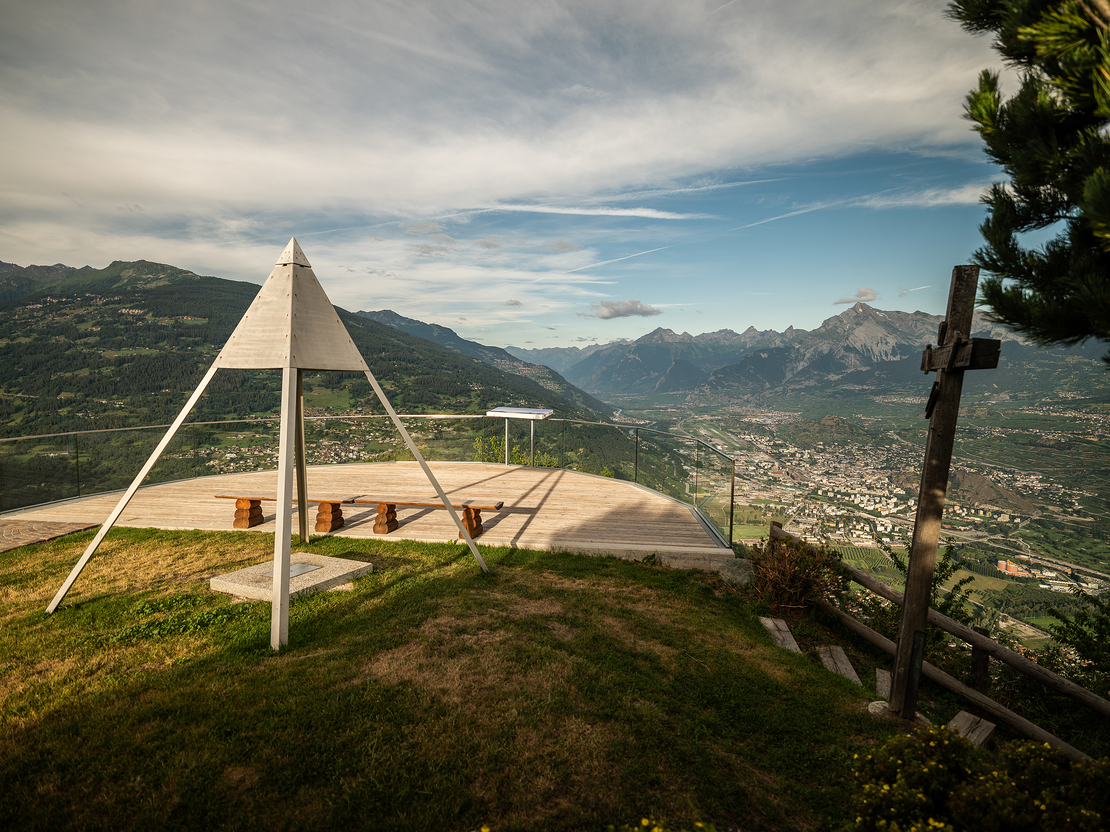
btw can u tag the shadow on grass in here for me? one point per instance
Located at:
(557, 692)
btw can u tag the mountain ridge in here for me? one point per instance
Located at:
(125, 345)
(494, 356)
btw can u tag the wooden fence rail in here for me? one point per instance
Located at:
(983, 643)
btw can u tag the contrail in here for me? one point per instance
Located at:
(616, 259)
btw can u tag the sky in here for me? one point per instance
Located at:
(537, 174)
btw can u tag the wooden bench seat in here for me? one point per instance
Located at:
(329, 512)
(248, 511)
(386, 519)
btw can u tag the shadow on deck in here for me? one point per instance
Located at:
(544, 508)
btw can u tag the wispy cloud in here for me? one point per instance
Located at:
(615, 260)
(586, 211)
(905, 292)
(969, 194)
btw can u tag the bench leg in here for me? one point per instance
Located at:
(248, 513)
(386, 519)
(472, 521)
(329, 517)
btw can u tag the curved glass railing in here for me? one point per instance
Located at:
(47, 468)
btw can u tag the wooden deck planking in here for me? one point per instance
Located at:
(544, 508)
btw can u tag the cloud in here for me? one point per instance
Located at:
(586, 211)
(864, 295)
(513, 303)
(620, 309)
(487, 244)
(970, 194)
(421, 227)
(617, 259)
(905, 292)
(559, 246)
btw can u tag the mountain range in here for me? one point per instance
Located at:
(862, 348)
(98, 348)
(543, 375)
(82, 340)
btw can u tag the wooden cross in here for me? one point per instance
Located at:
(955, 354)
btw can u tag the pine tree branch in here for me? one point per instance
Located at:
(1100, 14)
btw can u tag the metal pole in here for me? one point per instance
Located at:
(415, 451)
(126, 498)
(532, 440)
(506, 441)
(279, 604)
(77, 462)
(697, 469)
(731, 502)
(299, 460)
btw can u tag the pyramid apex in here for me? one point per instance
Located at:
(293, 255)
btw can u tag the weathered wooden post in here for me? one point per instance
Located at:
(955, 353)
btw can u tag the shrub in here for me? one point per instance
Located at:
(789, 574)
(935, 779)
(1088, 634)
(495, 452)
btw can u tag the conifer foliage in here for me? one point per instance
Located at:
(1051, 138)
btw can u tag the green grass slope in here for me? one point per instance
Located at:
(556, 692)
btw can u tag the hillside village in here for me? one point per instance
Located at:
(866, 496)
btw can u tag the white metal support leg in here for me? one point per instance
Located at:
(279, 610)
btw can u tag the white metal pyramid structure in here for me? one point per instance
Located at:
(290, 326)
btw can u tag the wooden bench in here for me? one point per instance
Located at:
(329, 513)
(386, 519)
(248, 511)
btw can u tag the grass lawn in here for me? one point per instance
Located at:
(749, 531)
(556, 692)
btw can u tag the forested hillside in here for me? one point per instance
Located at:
(126, 345)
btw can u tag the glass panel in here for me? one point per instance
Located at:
(714, 496)
(605, 450)
(443, 440)
(37, 470)
(667, 464)
(234, 447)
(43, 469)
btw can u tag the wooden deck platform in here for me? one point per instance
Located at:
(545, 508)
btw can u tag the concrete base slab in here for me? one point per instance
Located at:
(257, 582)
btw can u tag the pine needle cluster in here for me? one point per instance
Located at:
(1051, 138)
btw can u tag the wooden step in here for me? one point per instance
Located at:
(973, 728)
(834, 659)
(882, 683)
(780, 633)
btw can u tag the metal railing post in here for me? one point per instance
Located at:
(636, 468)
(731, 502)
(697, 469)
(77, 462)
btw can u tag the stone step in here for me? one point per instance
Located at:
(973, 728)
(780, 633)
(882, 683)
(834, 658)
